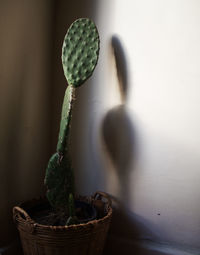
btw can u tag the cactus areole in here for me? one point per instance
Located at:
(80, 53)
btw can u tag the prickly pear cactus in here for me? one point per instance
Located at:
(79, 57)
(80, 51)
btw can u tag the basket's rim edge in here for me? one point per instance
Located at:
(74, 226)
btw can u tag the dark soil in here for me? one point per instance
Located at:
(44, 214)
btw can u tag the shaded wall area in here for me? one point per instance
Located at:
(26, 43)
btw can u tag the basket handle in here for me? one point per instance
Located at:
(20, 215)
(99, 194)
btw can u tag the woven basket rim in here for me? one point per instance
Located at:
(58, 228)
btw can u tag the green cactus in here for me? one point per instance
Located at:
(63, 137)
(80, 51)
(79, 57)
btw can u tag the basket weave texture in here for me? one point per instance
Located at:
(85, 239)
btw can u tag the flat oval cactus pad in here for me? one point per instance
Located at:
(80, 51)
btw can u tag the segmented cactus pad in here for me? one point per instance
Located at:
(59, 180)
(80, 51)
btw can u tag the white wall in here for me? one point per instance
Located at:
(157, 130)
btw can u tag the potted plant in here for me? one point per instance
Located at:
(62, 223)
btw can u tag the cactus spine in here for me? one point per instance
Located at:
(79, 57)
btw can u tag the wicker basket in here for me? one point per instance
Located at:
(84, 239)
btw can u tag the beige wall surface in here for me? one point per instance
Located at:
(25, 107)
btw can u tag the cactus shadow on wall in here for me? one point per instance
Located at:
(118, 136)
(117, 129)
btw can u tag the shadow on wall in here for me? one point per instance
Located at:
(117, 129)
(118, 136)
(120, 142)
